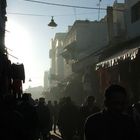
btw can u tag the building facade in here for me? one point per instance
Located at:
(3, 20)
(46, 80)
(57, 61)
(132, 16)
(56, 73)
(83, 38)
(120, 61)
(105, 52)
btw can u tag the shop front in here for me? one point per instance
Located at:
(122, 68)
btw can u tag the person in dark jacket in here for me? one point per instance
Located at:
(55, 115)
(68, 119)
(44, 117)
(11, 120)
(87, 109)
(30, 118)
(111, 123)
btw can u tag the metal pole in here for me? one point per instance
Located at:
(99, 10)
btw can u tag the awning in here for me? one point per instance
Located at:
(113, 60)
(82, 64)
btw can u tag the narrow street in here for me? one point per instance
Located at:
(70, 70)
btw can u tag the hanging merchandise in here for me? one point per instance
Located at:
(17, 72)
(18, 76)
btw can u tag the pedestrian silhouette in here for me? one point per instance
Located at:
(111, 123)
(50, 106)
(87, 109)
(68, 119)
(55, 115)
(11, 120)
(30, 122)
(44, 117)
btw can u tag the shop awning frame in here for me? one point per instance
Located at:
(113, 60)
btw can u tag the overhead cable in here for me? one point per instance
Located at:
(23, 14)
(72, 6)
(64, 5)
(39, 15)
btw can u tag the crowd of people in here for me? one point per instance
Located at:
(28, 119)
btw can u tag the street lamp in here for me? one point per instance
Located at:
(52, 23)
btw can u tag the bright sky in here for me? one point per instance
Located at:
(29, 37)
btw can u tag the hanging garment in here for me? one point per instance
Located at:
(17, 72)
(17, 88)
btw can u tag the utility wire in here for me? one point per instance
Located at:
(72, 6)
(13, 56)
(23, 14)
(64, 5)
(28, 14)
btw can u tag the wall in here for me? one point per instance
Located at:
(52, 69)
(91, 37)
(59, 60)
(67, 69)
(133, 29)
(118, 19)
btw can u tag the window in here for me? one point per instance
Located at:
(135, 12)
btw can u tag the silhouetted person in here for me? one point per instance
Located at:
(44, 119)
(50, 106)
(30, 123)
(11, 121)
(36, 102)
(62, 101)
(55, 115)
(87, 109)
(112, 123)
(68, 119)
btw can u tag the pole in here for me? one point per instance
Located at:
(99, 10)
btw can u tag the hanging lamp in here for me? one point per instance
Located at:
(52, 23)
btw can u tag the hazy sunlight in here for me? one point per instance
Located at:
(19, 44)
